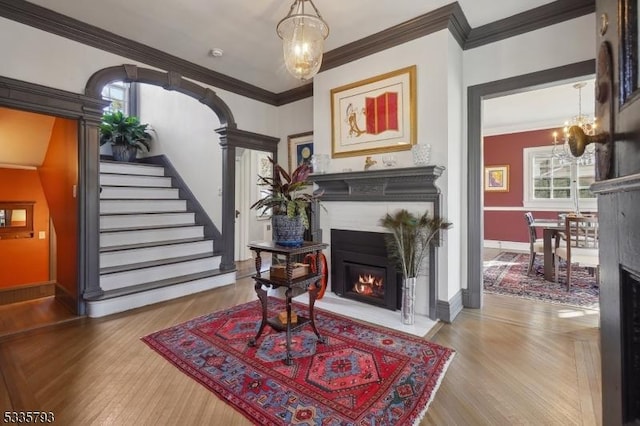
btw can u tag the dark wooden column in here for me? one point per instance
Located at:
(230, 139)
(89, 204)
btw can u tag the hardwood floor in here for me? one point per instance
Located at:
(22, 317)
(517, 362)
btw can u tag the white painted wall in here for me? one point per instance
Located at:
(294, 118)
(184, 131)
(429, 55)
(565, 43)
(454, 175)
(438, 61)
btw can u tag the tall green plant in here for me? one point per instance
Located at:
(119, 129)
(410, 237)
(285, 193)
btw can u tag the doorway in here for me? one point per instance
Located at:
(528, 170)
(38, 269)
(472, 297)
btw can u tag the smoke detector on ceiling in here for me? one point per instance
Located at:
(216, 52)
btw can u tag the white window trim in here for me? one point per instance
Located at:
(529, 202)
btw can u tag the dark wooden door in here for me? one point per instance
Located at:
(618, 108)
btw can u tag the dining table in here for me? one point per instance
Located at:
(550, 230)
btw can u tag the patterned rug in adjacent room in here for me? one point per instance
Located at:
(363, 375)
(507, 274)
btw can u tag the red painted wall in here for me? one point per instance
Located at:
(59, 174)
(25, 260)
(508, 149)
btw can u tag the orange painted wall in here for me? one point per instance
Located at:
(59, 174)
(24, 260)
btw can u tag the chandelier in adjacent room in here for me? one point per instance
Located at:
(303, 32)
(561, 149)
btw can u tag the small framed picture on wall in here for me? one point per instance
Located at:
(496, 178)
(300, 149)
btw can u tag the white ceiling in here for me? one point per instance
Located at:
(537, 109)
(245, 29)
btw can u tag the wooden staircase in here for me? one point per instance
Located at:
(151, 246)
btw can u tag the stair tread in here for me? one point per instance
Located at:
(130, 163)
(152, 244)
(132, 175)
(154, 263)
(183, 212)
(147, 228)
(109, 294)
(145, 187)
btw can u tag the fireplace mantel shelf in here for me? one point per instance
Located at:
(393, 184)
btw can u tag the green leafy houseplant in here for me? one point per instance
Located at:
(410, 237)
(124, 132)
(286, 193)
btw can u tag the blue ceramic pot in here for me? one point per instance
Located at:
(288, 231)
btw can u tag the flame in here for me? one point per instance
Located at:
(366, 284)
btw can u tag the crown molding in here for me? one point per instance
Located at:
(412, 29)
(295, 94)
(534, 19)
(449, 17)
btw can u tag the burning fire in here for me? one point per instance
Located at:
(368, 284)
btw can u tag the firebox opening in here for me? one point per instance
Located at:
(366, 280)
(362, 270)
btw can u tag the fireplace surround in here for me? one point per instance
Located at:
(356, 201)
(361, 269)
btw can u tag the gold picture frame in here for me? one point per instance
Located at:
(375, 115)
(496, 178)
(300, 149)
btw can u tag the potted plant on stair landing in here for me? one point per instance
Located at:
(126, 135)
(408, 243)
(288, 197)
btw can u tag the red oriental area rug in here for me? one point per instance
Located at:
(506, 274)
(362, 375)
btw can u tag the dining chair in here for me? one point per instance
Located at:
(581, 248)
(536, 245)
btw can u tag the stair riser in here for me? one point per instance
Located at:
(131, 169)
(101, 308)
(134, 180)
(110, 239)
(131, 193)
(140, 220)
(147, 254)
(120, 280)
(142, 206)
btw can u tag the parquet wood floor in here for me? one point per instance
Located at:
(518, 362)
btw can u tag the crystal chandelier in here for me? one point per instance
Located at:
(562, 150)
(303, 32)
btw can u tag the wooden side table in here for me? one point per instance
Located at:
(304, 282)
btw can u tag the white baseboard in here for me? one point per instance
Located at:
(101, 308)
(507, 245)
